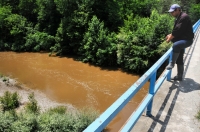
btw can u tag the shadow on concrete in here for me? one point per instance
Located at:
(158, 115)
(188, 85)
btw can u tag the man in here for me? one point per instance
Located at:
(182, 37)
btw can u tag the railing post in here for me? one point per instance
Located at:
(151, 91)
(170, 72)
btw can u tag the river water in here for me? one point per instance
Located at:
(68, 81)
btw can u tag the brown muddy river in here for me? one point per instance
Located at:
(68, 81)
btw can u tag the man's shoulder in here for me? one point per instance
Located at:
(184, 15)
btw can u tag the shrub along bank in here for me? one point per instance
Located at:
(30, 119)
(27, 117)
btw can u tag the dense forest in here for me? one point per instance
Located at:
(122, 33)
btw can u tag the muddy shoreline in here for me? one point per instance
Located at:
(44, 102)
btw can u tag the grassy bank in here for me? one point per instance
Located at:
(27, 116)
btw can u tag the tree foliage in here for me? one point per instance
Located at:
(98, 45)
(194, 12)
(16, 24)
(12, 3)
(39, 41)
(126, 33)
(74, 23)
(48, 17)
(139, 40)
(5, 38)
(28, 9)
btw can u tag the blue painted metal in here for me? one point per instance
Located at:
(105, 118)
(170, 72)
(151, 91)
(196, 25)
(135, 116)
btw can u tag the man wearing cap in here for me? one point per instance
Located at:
(182, 37)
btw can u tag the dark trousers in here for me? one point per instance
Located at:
(179, 60)
(179, 47)
(181, 44)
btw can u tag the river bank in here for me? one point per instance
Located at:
(50, 117)
(11, 85)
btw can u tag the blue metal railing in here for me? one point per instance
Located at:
(196, 25)
(105, 118)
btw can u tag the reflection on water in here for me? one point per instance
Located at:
(68, 81)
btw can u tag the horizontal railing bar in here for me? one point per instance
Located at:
(136, 115)
(196, 25)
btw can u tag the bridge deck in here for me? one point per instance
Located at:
(176, 103)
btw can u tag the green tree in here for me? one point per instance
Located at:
(108, 11)
(12, 3)
(136, 7)
(79, 23)
(194, 12)
(98, 46)
(186, 4)
(48, 16)
(74, 23)
(163, 25)
(131, 56)
(139, 39)
(38, 41)
(6, 120)
(17, 26)
(28, 9)
(5, 37)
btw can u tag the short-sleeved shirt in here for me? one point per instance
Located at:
(183, 29)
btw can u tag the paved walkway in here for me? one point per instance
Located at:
(176, 103)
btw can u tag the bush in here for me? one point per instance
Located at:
(51, 122)
(32, 106)
(6, 121)
(4, 13)
(139, 40)
(194, 12)
(163, 47)
(9, 101)
(5, 79)
(26, 122)
(57, 119)
(84, 118)
(98, 46)
(133, 42)
(198, 114)
(39, 41)
(17, 26)
(59, 110)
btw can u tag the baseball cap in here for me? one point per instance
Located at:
(173, 7)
